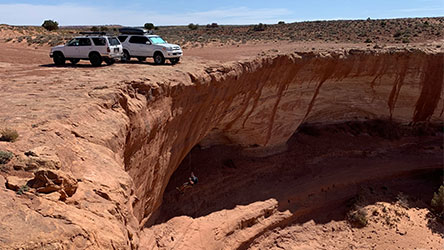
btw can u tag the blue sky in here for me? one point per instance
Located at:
(174, 12)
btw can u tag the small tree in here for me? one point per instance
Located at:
(213, 25)
(94, 28)
(50, 25)
(193, 26)
(149, 26)
(281, 22)
(259, 27)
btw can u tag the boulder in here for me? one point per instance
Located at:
(15, 183)
(47, 181)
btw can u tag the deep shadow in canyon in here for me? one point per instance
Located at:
(324, 167)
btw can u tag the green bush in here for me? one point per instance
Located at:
(9, 135)
(94, 29)
(438, 200)
(213, 25)
(193, 26)
(397, 34)
(23, 189)
(5, 157)
(260, 27)
(281, 22)
(50, 25)
(149, 26)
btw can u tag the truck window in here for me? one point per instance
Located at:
(138, 39)
(122, 38)
(157, 40)
(73, 42)
(113, 41)
(99, 41)
(84, 42)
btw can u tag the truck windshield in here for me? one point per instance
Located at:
(157, 40)
(113, 41)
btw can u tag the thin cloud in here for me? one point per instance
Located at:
(31, 14)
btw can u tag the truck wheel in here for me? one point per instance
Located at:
(109, 61)
(174, 60)
(126, 56)
(141, 59)
(159, 59)
(74, 61)
(95, 59)
(59, 59)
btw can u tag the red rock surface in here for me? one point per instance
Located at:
(113, 136)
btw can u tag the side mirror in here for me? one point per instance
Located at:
(148, 43)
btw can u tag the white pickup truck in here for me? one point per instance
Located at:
(95, 47)
(140, 44)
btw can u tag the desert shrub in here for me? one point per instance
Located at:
(23, 189)
(357, 218)
(193, 26)
(397, 34)
(281, 22)
(9, 135)
(104, 28)
(368, 40)
(149, 26)
(5, 157)
(438, 201)
(213, 25)
(259, 27)
(405, 40)
(50, 25)
(94, 29)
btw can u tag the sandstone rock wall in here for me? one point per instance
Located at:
(259, 104)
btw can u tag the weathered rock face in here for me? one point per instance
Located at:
(260, 104)
(115, 146)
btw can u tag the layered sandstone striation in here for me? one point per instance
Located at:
(260, 104)
(118, 134)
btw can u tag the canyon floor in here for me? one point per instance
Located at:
(77, 123)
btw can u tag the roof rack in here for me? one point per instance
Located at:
(134, 31)
(92, 33)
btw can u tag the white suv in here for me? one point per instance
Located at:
(95, 47)
(137, 43)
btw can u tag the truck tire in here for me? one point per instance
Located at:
(74, 61)
(95, 59)
(109, 61)
(59, 59)
(174, 60)
(159, 59)
(126, 56)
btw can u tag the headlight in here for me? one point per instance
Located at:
(169, 48)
